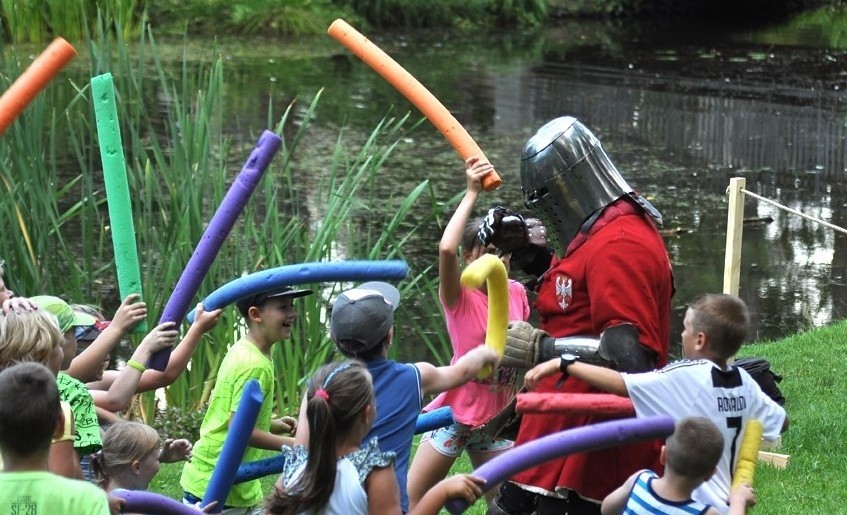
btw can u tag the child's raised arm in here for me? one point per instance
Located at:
(440, 379)
(204, 321)
(117, 397)
(449, 267)
(88, 362)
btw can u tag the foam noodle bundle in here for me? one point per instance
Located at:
(290, 275)
(414, 91)
(35, 78)
(214, 235)
(235, 445)
(748, 454)
(599, 404)
(580, 439)
(139, 501)
(489, 269)
(434, 419)
(117, 189)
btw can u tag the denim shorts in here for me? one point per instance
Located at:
(454, 439)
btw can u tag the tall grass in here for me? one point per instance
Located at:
(34, 21)
(180, 161)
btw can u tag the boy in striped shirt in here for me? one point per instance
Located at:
(690, 457)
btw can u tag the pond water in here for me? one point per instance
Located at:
(681, 110)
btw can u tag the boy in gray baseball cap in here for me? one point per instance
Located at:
(362, 326)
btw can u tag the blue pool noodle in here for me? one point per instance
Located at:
(235, 445)
(290, 275)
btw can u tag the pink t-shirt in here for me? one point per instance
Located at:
(477, 401)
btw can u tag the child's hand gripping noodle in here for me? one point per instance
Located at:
(745, 468)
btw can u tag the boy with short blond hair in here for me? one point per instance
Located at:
(703, 384)
(30, 416)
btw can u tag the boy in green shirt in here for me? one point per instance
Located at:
(269, 317)
(30, 416)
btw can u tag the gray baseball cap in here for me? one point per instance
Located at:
(362, 316)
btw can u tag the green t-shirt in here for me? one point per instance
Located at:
(87, 436)
(43, 493)
(243, 362)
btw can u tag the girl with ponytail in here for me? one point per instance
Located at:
(337, 475)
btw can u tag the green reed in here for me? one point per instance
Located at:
(35, 21)
(180, 161)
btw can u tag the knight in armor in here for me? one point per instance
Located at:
(603, 295)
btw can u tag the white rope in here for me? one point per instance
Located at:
(798, 213)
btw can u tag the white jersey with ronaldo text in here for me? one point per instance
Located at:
(699, 388)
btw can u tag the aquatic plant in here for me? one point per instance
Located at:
(180, 157)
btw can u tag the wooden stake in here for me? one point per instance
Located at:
(734, 229)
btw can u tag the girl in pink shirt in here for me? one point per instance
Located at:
(466, 317)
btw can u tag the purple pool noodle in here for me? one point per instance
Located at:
(580, 439)
(235, 445)
(434, 419)
(290, 275)
(214, 236)
(141, 501)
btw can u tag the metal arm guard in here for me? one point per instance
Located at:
(617, 348)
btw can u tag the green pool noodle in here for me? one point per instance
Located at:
(117, 189)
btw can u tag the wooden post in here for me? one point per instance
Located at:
(734, 229)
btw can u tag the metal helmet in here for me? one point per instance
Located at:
(566, 177)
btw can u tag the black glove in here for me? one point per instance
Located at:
(505, 229)
(536, 242)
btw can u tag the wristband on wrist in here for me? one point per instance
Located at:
(136, 365)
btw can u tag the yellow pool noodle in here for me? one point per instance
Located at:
(491, 270)
(748, 454)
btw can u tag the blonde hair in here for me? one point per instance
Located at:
(28, 336)
(123, 443)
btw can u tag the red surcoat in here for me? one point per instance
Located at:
(619, 274)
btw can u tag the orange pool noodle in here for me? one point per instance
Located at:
(414, 91)
(33, 80)
(600, 404)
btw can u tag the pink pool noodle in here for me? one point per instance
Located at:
(217, 231)
(600, 404)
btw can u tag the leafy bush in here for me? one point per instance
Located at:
(175, 422)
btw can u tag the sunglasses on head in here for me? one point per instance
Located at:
(89, 331)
